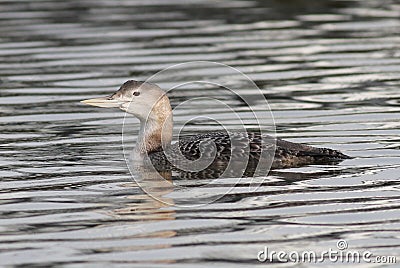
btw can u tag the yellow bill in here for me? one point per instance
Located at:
(104, 102)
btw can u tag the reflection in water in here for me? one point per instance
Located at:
(156, 185)
(150, 206)
(329, 70)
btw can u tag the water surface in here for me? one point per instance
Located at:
(330, 70)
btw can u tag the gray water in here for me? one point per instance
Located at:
(329, 69)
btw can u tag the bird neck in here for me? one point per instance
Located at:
(155, 132)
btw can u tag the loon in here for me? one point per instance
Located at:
(150, 104)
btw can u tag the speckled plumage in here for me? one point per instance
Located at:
(248, 146)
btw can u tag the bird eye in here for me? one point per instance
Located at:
(136, 93)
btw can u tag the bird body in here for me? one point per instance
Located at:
(285, 154)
